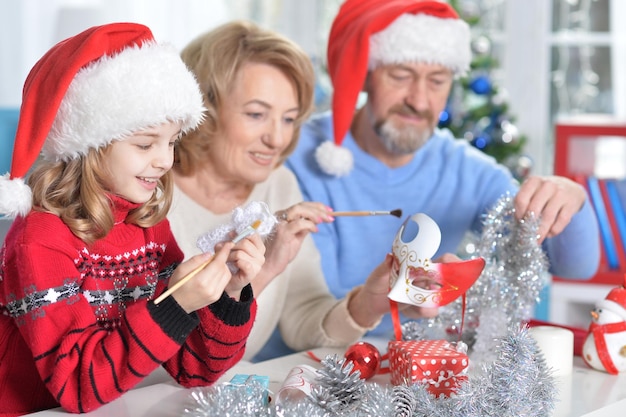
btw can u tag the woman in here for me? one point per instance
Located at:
(258, 88)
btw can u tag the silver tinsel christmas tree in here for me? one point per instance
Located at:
(506, 292)
(510, 379)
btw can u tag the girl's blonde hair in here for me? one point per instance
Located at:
(77, 192)
(216, 58)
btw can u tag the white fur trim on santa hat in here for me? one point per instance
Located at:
(114, 97)
(334, 160)
(423, 38)
(17, 197)
(613, 307)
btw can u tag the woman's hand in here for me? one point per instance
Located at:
(295, 223)
(415, 312)
(370, 302)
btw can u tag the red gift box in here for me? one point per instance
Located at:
(436, 363)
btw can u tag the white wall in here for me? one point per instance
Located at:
(28, 28)
(527, 65)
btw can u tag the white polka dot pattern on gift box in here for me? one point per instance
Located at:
(436, 363)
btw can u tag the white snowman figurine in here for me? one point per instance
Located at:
(605, 345)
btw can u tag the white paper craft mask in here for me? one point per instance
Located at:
(415, 279)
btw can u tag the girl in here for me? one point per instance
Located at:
(79, 270)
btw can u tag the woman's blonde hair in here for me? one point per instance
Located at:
(77, 192)
(216, 58)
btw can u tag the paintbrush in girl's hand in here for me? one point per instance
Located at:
(245, 232)
(396, 212)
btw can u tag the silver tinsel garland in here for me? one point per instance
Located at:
(489, 391)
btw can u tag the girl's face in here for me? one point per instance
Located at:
(136, 163)
(256, 123)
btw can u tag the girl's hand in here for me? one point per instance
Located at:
(248, 256)
(207, 286)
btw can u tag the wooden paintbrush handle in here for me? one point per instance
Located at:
(351, 213)
(359, 213)
(180, 283)
(396, 213)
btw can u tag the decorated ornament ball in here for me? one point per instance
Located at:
(481, 85)
(481, 45)
(365, 357)
(521, 166)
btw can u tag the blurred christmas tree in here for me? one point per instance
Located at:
(477, 109)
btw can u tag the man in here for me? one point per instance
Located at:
(389, 154)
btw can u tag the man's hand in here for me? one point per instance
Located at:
(555, 199)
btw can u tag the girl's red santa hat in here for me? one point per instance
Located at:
(369, 33)
(101, 85)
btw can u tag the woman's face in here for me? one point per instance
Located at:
(256, 124)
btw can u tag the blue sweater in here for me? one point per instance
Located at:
(448, 180)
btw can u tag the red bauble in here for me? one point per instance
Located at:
(365, 357)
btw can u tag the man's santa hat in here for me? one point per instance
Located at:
(369, 33)
(101, 85)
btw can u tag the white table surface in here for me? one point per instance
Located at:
(586, 393)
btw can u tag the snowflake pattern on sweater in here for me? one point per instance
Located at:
(139, 265)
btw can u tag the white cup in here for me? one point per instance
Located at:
(557, 346)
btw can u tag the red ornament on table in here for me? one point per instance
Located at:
(365, 357)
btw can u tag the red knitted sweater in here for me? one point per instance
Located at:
(78, 327)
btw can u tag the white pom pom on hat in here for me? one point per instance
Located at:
(369, 33)
(103, 84)
(333, 159)
(15, 196)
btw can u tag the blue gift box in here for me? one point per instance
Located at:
(244, 379)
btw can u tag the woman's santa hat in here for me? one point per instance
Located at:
(370, 33)
(101, 85)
